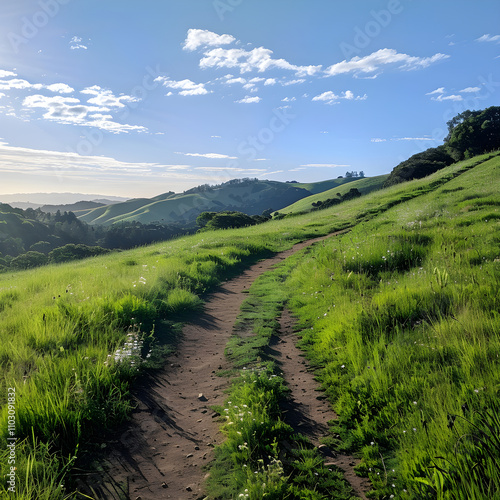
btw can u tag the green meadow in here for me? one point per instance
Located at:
(400, 315)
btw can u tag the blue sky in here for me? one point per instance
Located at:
(134, 99)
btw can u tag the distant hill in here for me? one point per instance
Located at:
(365, 185)
(250, 196)
(73, 207)
(36, 200)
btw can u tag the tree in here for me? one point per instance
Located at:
(474, 132)
(28, 260)
(204, 218)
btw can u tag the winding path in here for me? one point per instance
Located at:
(161, 452)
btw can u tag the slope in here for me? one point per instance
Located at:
(70, 335)
(365, 186)
(249, 196)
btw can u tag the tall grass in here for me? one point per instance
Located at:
(403, 313)
(74, 336)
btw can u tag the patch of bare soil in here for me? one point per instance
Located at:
(161, 451)
(306, 408)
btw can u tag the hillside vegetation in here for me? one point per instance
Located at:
(401, 315)
(249, 196)
(470, 133)
(364, 186)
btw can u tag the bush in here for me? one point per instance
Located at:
(74, 252)
(28, 260)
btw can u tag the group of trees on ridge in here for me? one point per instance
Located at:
(470, 133)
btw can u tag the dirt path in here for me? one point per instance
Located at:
(161, 452)
(306, 409)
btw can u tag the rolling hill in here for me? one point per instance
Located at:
(364, 186)
(249, 196)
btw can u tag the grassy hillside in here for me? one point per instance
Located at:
(72, 337)
(321, 186)
(365, 186)
(251, 197)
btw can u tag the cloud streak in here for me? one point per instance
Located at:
(381, 59)
(211, 156)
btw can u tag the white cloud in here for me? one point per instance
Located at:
(203, 38)
(453, 97)
(377, 139)
(259, 59)
(249, 100)
(288, 99)
(104, 98)
(439, 94)
(488, 38)
(185, 87)
(60, 88)
(19, 84)
(75, 44)
(212, 156)
(230, 81)
(330, 97)
(471, 89)
(69, 110)
(270, 81)
(383, 57)
(70, 165)
(440, 90)
(293, 82)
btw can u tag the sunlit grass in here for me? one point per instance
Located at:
(61, 326)
(403, 314)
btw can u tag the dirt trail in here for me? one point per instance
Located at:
(306, 409)
(160, 453)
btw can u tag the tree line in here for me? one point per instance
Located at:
(470, 133)
(29, 238)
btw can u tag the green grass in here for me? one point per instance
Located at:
(403, 315)
(262, 457)
(365, 186)
(74, 336)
